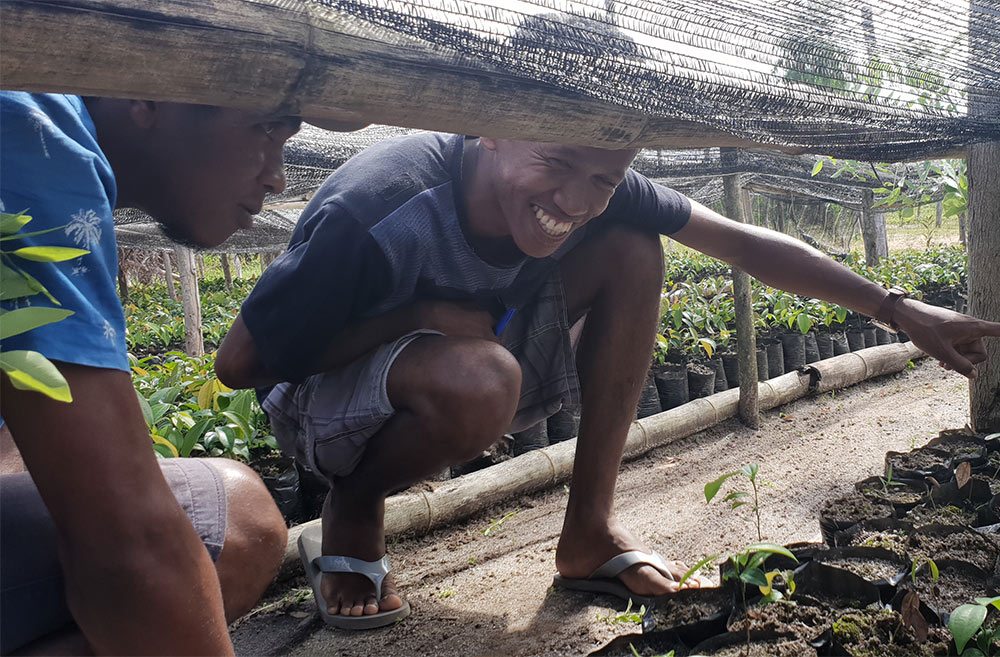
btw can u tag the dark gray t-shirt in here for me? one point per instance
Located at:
(386, 229)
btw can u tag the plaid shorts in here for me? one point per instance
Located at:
(326, 421)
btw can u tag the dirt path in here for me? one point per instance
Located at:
(477, 594)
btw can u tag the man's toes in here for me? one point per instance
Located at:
(371, 606)
(390, 601)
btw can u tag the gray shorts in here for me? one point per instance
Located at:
(326, 421)
(32, 595)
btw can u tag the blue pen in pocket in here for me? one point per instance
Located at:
(504, 321)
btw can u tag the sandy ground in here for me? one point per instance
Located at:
(478, 594)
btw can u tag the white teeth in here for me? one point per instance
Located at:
(551, 226)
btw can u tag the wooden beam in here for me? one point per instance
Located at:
(313, 61)
(168, 275)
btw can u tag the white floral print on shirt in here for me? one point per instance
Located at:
(85, 229)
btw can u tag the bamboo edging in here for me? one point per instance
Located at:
(449, 501)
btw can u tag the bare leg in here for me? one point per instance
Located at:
(254, 546)
(453, 398)
(617, 276)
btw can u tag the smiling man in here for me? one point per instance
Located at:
(380, 327)
(102, 546)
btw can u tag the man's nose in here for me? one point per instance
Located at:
(273, 175)
(574, 200)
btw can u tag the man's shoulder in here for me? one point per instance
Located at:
(376, 182)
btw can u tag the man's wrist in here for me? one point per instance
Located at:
(887, 315)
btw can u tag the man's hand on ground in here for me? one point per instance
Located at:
(956, 340)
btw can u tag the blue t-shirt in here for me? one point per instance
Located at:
(387, 228)
(52, 168)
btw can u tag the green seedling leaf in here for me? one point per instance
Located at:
(18, 284)
(964, 623)
(30, 370)
(804, 323)
(147, 411)
(772, 549)
(735, 495)
(750, 470)
(712, 487)
(695, 568)
(736, 505)
(935, 573)
(194, 434)
(22, 320)
(11, 223)
(48, 253)
(817, 167)
(754, 576)
(989, 601)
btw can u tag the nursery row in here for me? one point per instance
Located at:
(908, 566)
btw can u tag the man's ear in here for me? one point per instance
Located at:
(142, 113)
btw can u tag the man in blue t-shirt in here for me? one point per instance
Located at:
(97, 531)
(423, 308)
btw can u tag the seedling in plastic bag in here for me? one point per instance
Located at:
(966, 624)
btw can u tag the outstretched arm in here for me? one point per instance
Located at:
(789, 264)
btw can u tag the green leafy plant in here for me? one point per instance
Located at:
(496, 525)
(29, 370)
(738, 498)
(627, 616)
(967, 624)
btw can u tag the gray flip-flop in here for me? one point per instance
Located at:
(316, 563)
(605, 578)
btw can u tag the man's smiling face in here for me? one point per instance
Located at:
(546, 191)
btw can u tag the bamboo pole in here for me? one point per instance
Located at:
(438, 504)
(194, 344)
(746, 339)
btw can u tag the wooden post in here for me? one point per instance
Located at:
(873, 230)
(122, 277)
(984, 272)
(224, 260)
(193, 343)
(237, 266)
(746, 341)
(200, 263)
(938, 213)
(168, 274)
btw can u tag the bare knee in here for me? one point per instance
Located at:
(255, 538)
(465, 394)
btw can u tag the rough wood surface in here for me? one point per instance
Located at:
(168, 276)
(746, 343)
(873, 230)
(224, 261)
(984, 276)
(194, 344)
(287, 57)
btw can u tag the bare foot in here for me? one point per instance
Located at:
(583, 549)
(355, 529)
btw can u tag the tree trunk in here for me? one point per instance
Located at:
(961, 230)
(200, 263)
(984, 272)
(939, 213)
(873, 230)
(224, 260)
(168, 275)
(746, 343)
(194, 344)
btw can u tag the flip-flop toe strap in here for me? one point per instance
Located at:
(373, 570)
(616, 565)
